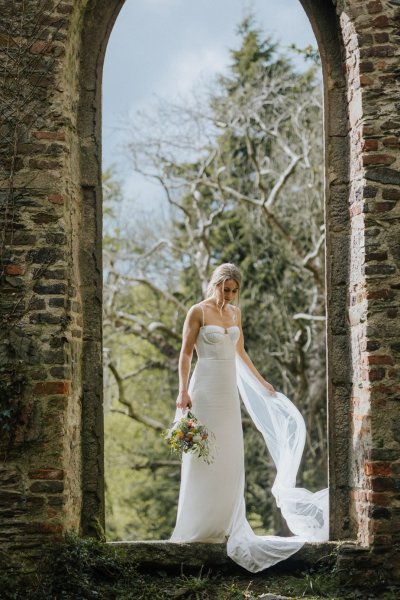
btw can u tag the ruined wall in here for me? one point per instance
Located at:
(371, 36)
(51, 422)
(41, 392)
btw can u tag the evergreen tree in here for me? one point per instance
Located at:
(250, 193)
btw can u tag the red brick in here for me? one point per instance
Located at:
(365, 80)
(48, 388)
(376, 374)
(391, 142)
(46, 474)
(378, 159)
(380, 22)
(50, 135)
(382, 294)
(378, 468)
(383, 206)
(369, 144)
(379, 498)
(13, 270)
(41, 47)
(367, 130)
(378, 359)
(56, 198)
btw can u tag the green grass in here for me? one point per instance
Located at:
(84, 569)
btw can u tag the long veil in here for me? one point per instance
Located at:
(306, 513)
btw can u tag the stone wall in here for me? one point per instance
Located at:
(51, 421)
(371, 38)
(41, 329)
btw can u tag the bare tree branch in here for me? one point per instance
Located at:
(147, 366)
(307, 317)
(131, 412)
(280, 183)
(314, 253)
(155, 289)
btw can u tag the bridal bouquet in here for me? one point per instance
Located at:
(189, 435)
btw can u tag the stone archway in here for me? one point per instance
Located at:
(51, 268)
(326, 26)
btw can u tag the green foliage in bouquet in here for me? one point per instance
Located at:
(189, 435)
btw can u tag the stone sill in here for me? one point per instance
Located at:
(172, 556)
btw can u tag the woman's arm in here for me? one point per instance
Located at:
(246, 358)
(190, 332)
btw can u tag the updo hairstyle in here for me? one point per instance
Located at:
(221, 274)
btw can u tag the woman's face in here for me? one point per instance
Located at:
(228, 290)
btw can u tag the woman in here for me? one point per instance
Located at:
(211, 501)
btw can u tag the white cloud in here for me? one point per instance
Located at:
(164, 47)
(185, 70)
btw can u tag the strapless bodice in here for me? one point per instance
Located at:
(213, 342)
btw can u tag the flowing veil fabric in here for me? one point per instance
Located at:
(211, 503)
(306, 513)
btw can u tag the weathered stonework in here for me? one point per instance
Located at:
(51, 419)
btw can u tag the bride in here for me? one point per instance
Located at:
(211, 504)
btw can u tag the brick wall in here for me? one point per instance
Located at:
(371, 36)
(41, 329)
(51, 420)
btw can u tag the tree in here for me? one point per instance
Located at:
(240, 169)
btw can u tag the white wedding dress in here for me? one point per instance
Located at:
(211, 504)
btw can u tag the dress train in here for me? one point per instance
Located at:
(211, 501)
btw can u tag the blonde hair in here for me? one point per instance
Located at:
(220, 275)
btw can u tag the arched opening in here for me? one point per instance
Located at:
(99, 18)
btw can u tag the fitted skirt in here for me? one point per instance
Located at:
(210, 493)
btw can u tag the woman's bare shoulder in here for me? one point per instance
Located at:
(196, 307)
(195, 311)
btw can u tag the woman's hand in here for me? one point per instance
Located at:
(183, 400)
(269, 387)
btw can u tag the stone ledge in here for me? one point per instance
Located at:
(172, 556)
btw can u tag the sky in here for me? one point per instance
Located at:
(162, 48)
